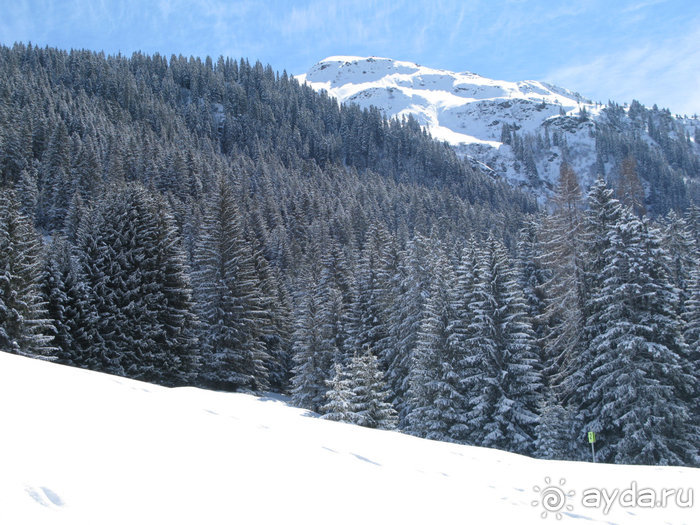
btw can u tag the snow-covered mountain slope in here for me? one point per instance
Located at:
(460, 108)
(469, 112)
(79, 447)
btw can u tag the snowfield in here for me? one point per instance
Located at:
(80, 447)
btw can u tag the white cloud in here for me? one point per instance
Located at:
(641, 5)
(522, 17)
(666, 73)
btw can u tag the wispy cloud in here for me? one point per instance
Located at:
(337, 21)
(666, 73)
(458, 25)
(522, 16)
(636, 6)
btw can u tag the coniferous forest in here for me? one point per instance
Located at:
(217, 224)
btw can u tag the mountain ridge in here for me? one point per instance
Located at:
(450, 90)
(479, 116)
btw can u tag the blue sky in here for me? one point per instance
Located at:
(619, 49)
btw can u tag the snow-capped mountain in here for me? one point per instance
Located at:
(517, 130)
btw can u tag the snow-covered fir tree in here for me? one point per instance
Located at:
(437, 404)
(602, 214)
(277, 307)
(680, 246)
(67, 304)
(313, 350)
(692, 220)
(372, 293)
(28, 192)
(178, 335)
(502, 381)
(74, 216)
(532, 277)
(138, 289)
(339, 397)
(337, 296)
(230, 299)
(691, 334)
(24, 325)
(411, 283)
(691, 314)
(277, 317)
(554, 430)
(369, 400)
(635, 393)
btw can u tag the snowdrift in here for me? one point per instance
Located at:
(80, 447)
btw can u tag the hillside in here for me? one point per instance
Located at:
(523, 130)
(83, 447)
(221, 226)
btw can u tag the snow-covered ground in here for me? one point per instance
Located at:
(79, 447)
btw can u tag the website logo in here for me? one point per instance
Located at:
(553, 498)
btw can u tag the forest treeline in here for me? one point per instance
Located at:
(187, 222)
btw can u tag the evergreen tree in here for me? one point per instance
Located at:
(24, 325)
(553, 431)
(314, 354)
(372, 295)
(634, 391)
(602, 215)
(337, 297)
(28, 193)
(15, 143)
(692, 219)
(67, 305)
(532, 279)
(340, 398)
(691, 334)
(437, 403)
(277, 308)
(54, 180)
(678, 241)
(230, 299)
(370, 399)
(138, 289)
(502, 380)
(411, 284)
(74, 216)
(177, 337)
(86, 171)
(691, 315)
